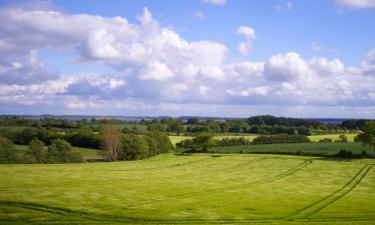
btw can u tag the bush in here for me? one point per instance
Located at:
(7, 154)
(325, 140)
(139, 147)
(233, 141)
(134, 147)
(280, 138)
(36, 152)
(84, 138)
(343, 138)
(159, 142)
(201, 143)
(60, 151)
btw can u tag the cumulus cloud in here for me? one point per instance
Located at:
(157, 69)
(356, 4)
(215, 2)
(286, 67)
(244, 48)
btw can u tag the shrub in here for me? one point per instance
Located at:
(7, 154)
(60, 151)
(325, 140)
(281, 138)
(36, 152)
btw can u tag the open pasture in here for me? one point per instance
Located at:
(196, 189)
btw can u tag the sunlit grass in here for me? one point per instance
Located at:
(229, 188)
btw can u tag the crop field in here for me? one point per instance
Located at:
(334, 137)
(313, 148)
(195, 189)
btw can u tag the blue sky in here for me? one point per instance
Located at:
(312, 58)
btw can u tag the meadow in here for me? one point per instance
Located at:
(195, 189)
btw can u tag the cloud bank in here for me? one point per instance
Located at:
(159, 72)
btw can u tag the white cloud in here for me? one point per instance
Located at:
(215, 2)
(356, 4)
(324, 67)
(287, 67)
(158, 70)
(199, 15)
(244, 48)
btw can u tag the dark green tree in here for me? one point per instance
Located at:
(36, 152)
(7, 153)
(60, 151)
(367, 137)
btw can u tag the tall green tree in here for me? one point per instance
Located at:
(7, 153)
(367, 137)
(36, 152)
(60, 151)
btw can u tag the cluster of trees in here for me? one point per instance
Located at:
(119, 146)
(280, 138)
(201, 143)
(59, 151)
(342, 138)
(233, 141)
(204, 140)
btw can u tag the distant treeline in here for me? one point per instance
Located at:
(257, 125)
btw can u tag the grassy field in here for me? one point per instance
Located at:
(196, 189)
(317, 148)
(334, 137)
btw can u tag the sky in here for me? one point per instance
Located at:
(227, 58)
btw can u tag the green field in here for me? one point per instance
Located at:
(314, 148)
(334, 137)
(196, 189)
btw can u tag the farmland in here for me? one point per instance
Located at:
(202, 188)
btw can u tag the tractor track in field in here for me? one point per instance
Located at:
(82, 217)
(319, 205)
(239, 186)
(167, 166)
(229, 169)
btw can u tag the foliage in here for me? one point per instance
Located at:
(60, 151)
(367, 137)
(201, 143)
(280, 138)
(134, 147)
(111, 142)
(233, 141)
(36, 152)
(139, 147)
(327, 140)
(84, 138)
(7, 153)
